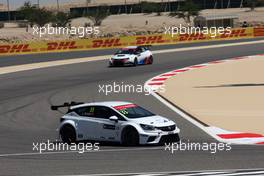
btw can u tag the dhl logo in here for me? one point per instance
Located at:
(259, 32)
(191, 37)
(234, 33)
(17, 48)
(104, 43)
(61, 45)
(142, 40)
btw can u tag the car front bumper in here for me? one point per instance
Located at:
(120, 62)
(159, 137)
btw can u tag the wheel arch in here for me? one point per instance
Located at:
(69, 123)
(127, 126)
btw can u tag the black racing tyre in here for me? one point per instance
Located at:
(135, 62)
(151, 60)
(177, 138)
(68, 134)
(110, 64)
(130, 137)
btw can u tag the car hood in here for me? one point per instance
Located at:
(157, 121)
(121, 56)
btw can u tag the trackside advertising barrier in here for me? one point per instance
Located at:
(117, 42)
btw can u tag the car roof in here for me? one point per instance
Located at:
(103, 103)
(130, 47)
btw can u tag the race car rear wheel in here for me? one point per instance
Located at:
(150, 60)
(130, 137)
(68, 134)
(135, 62)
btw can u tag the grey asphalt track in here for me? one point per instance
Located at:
(25, 117)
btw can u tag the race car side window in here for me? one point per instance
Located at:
(145, 48)
(102, 112)
(114, 113)
(106, 112)
(138, 51)
(88, 111)
(97, 112)
(142, 49)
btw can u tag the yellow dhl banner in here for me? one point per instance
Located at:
(117, 42)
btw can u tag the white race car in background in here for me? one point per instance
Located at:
(123, 122)
(132, 55)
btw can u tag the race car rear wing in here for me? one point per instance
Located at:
(66, 104)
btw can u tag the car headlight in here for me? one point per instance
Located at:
(147, 127)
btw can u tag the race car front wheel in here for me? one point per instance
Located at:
(68, 134)
(130, 137)
(135, 62)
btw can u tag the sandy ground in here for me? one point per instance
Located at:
(82, 3)
(118, 25)
(228, 95)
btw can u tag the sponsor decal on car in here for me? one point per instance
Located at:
(124, 106)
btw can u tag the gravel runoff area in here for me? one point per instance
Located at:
(227, 95)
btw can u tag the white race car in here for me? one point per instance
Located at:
(132, 55)
(123, 122)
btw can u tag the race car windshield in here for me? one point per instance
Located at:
(133, 111)
(125, 51)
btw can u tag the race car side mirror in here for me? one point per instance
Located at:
(113, 118)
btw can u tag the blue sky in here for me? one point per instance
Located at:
(17, 3)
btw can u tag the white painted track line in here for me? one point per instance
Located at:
(87, 151)
(196, 172)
